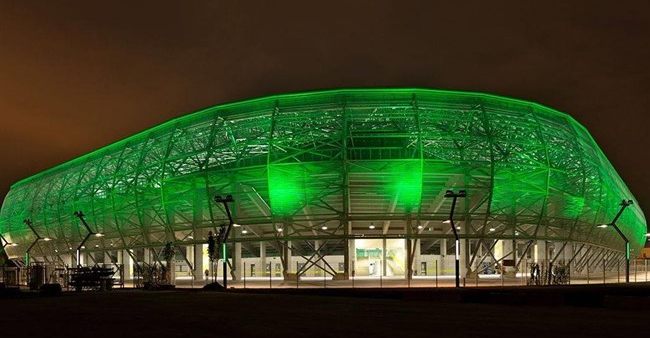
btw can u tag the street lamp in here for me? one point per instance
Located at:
(30, 225)
(5, 243)
(624, 204)
(454, 196)
(223, 234)
(81, 216)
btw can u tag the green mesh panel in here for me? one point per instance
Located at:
(321, 160)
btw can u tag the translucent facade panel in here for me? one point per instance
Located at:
(333, 166)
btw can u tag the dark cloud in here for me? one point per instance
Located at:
(75, 76)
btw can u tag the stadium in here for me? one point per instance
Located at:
(337, 185)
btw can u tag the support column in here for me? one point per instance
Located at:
(263, 259)
(514, 257)
(409, 259)
(509, 253)
(319, 265)
(347, 250)
(107, 258)
(464, 258)
(287, 258)
(417, 244)
(68, 260)
(128, 264)
(566, 254)
(541, 253)
(383, 257)
(350, 255)
(236, 261)
(499, 249)
(147, 256)
(199, 273)
(443, 255)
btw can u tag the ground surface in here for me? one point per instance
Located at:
(543, 312)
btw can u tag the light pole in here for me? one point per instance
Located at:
(81, 216)
(223, 234)
(454, 196)
(624, 204)
(29, 224)
(5, 243)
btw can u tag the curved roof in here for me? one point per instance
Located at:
(351, 155)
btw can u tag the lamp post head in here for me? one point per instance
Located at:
(220, 199)
(450, 193)
(626, 203)
(79, 214)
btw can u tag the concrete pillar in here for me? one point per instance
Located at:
(383, 257)
(551, 249)
(350, 253)
(319, 264)
(108, 261)
(499, 249)
(147, 256)
(347, 251)
(197, 255)
(507, 252)
(128, 264)
(567, 255)
(236, 262)
(68, 259)
(263, 260)
(417, 244)
(443, 254)
(540, 254)
(287, 258)
(514, 256)
(465, 256)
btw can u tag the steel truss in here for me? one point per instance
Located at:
(325, 166)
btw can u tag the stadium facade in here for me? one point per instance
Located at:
(336, 183)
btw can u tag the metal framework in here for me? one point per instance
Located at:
(311, 171)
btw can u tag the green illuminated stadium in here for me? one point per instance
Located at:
(335, 176)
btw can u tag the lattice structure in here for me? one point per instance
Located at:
(329, 166)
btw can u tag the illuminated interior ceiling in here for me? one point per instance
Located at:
(335, 164)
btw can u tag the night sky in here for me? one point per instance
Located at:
(75, 76)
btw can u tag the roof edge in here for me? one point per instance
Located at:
(230, 104)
